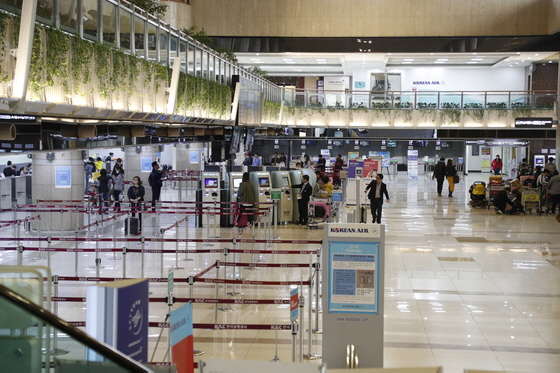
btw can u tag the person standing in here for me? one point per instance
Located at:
(103, 182)
(497, 165)
(154, 180)
(247, 197)
(321, 163)
(275, 159)
(550, 166)
(305, 191)
(282, 159)
(135, 195)
(248, 161)
(338, 164)
(9, 170)
(524, 168)
(256, 160)
(377, 189)
(89, 167)
(450, 173)
(119, 163)
(118, 186)
(553, 188)
(439, 175)
(306, 162)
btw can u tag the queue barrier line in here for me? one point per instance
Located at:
(152, 251)
(205, 271)
(156, 324)
(174, 225)
(202, 240)
(171, 212)
(185, 280)
(265, 265)
(186, 300)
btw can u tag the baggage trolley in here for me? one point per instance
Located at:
(530, 199)
(319, 210)
(492, 191)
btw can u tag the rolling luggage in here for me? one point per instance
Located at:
(134, 226)
(240, 221)
(320, 208)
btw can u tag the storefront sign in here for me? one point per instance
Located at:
(533, 122)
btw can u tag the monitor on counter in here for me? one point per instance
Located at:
(264, 182)
(211, 183)
(237, 183)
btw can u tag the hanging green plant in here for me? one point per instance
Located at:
(405, 108)
(162, 77)
(82, 56)
(120, 80)
(476, 111)
(37, 64)
(428, 110)
(182, 93)
(451, 111)
(134, 64)
(521, 109)
(103, 56)
(271, 111)
(498, 108)
(4, 25)
(57, 47)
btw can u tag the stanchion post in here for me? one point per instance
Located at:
(186, 237)
(216, 292)
(124, 250)
(20, 250)
(224, 307)
(170, 301)
(207, 228)
(301, 305)
(76, 234)
(235, 271)
(55, 350)
(161, 255)
(310, 355)
(316, 330)
(295, 329)
(190, 281)
(275, 218)
(142, 253)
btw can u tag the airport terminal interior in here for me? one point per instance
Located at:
(208, 90)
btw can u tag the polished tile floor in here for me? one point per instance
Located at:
(464, 288)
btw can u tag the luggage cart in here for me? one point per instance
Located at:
(492, 191)
(530, 199)
(320, 211)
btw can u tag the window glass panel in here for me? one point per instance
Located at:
(109, 23)
(152, 42)
(126, 29)
(191, 59)
(205, 65)
(183, 55)
(173, 45)
(68, 13)
(139, 37)
(45, 10)
(211, 74)
(90, 18)
(198, 62)
(163, 46)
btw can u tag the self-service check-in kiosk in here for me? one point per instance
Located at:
(263, 186)
(281, 179)
(210, 193)
(295, 178)
(235, 179)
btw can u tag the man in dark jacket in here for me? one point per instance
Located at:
(377, 188)
(501, 200)
(439, 175)
(305, 191)
(155, 183)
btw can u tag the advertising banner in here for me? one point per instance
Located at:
(63, 177)
(371, 168)
(486, 158)
(412, 164)
(146, 164)
(181, 327)
(294, 304)
(132, 320)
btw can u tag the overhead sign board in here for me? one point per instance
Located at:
(533, 123)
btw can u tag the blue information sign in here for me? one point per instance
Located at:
(337, 196)
(63, 177)
(146, 164)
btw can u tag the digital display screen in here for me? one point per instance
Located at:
(264, 182)
(211, 183)
(237, 183)
(285, 181)
(391, 143)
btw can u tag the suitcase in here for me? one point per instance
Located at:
(240, 220)
(134, 226)
(320, 209)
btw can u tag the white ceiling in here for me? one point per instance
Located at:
(315, 64)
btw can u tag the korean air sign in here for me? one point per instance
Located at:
(354, 230)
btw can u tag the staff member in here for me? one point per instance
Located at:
(303, 196)
(377, 188)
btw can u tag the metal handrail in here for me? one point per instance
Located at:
(111, 354)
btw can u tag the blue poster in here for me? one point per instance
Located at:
(194, 156)
(146, 164)
(181, 323)
(353, 277)
(132, 321)
(63, 177)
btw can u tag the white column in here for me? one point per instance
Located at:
(25, 45)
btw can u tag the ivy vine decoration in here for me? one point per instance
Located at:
(381, 109)
(405, 108)
(57, 47)
(428, 110)
(452, 111)
(475, 110)
(521, 109)
(499, 108)
(271, 111)
(134, 64)
(4, 26)
(37, 63)
(182, 93)
(82, 57)
(103, 56)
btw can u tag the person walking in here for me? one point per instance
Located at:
(497, 165)
(305, 192)
(89, 168)
(135, 195)
(248, 161)
(439, 175)
(450, 173)
(377, 189)
(550, 166)
(247, 197)
(553, 188)
(321, 164)
(104, 186)
(118, 186)
(154, 180)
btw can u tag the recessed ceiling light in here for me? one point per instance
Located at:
(439, 61)
(291, 62)
(405, 62)
(360, 50)
(258, 54)
(442, 59)
(359, 41)
(408, 59)
(474, 53)
(369, 42)
(389, 54)
(472, 62)
(518, 52)
(476, 59)
(522, 60)
(322, 62)
(549, 61)
(536, 54)
(431, 54)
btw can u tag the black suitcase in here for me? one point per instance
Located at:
(319, 212)
(134, 226)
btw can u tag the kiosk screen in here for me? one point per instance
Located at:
(264, 182)
(285, 182)
(211, 183)
(236, 183)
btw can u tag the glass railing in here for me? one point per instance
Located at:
(421, 100)
(22, 340)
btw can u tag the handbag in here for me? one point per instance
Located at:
(558, 218)
(456, 179)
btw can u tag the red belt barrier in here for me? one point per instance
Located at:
(265, 265)
(174, 225)
(249, 282)
(205, 271)
(155, 324)
(198, 279)
(193, 300)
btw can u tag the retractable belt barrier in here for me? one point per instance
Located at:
(193, 300)
(156, 324)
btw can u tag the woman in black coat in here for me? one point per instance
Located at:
(135, 195)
